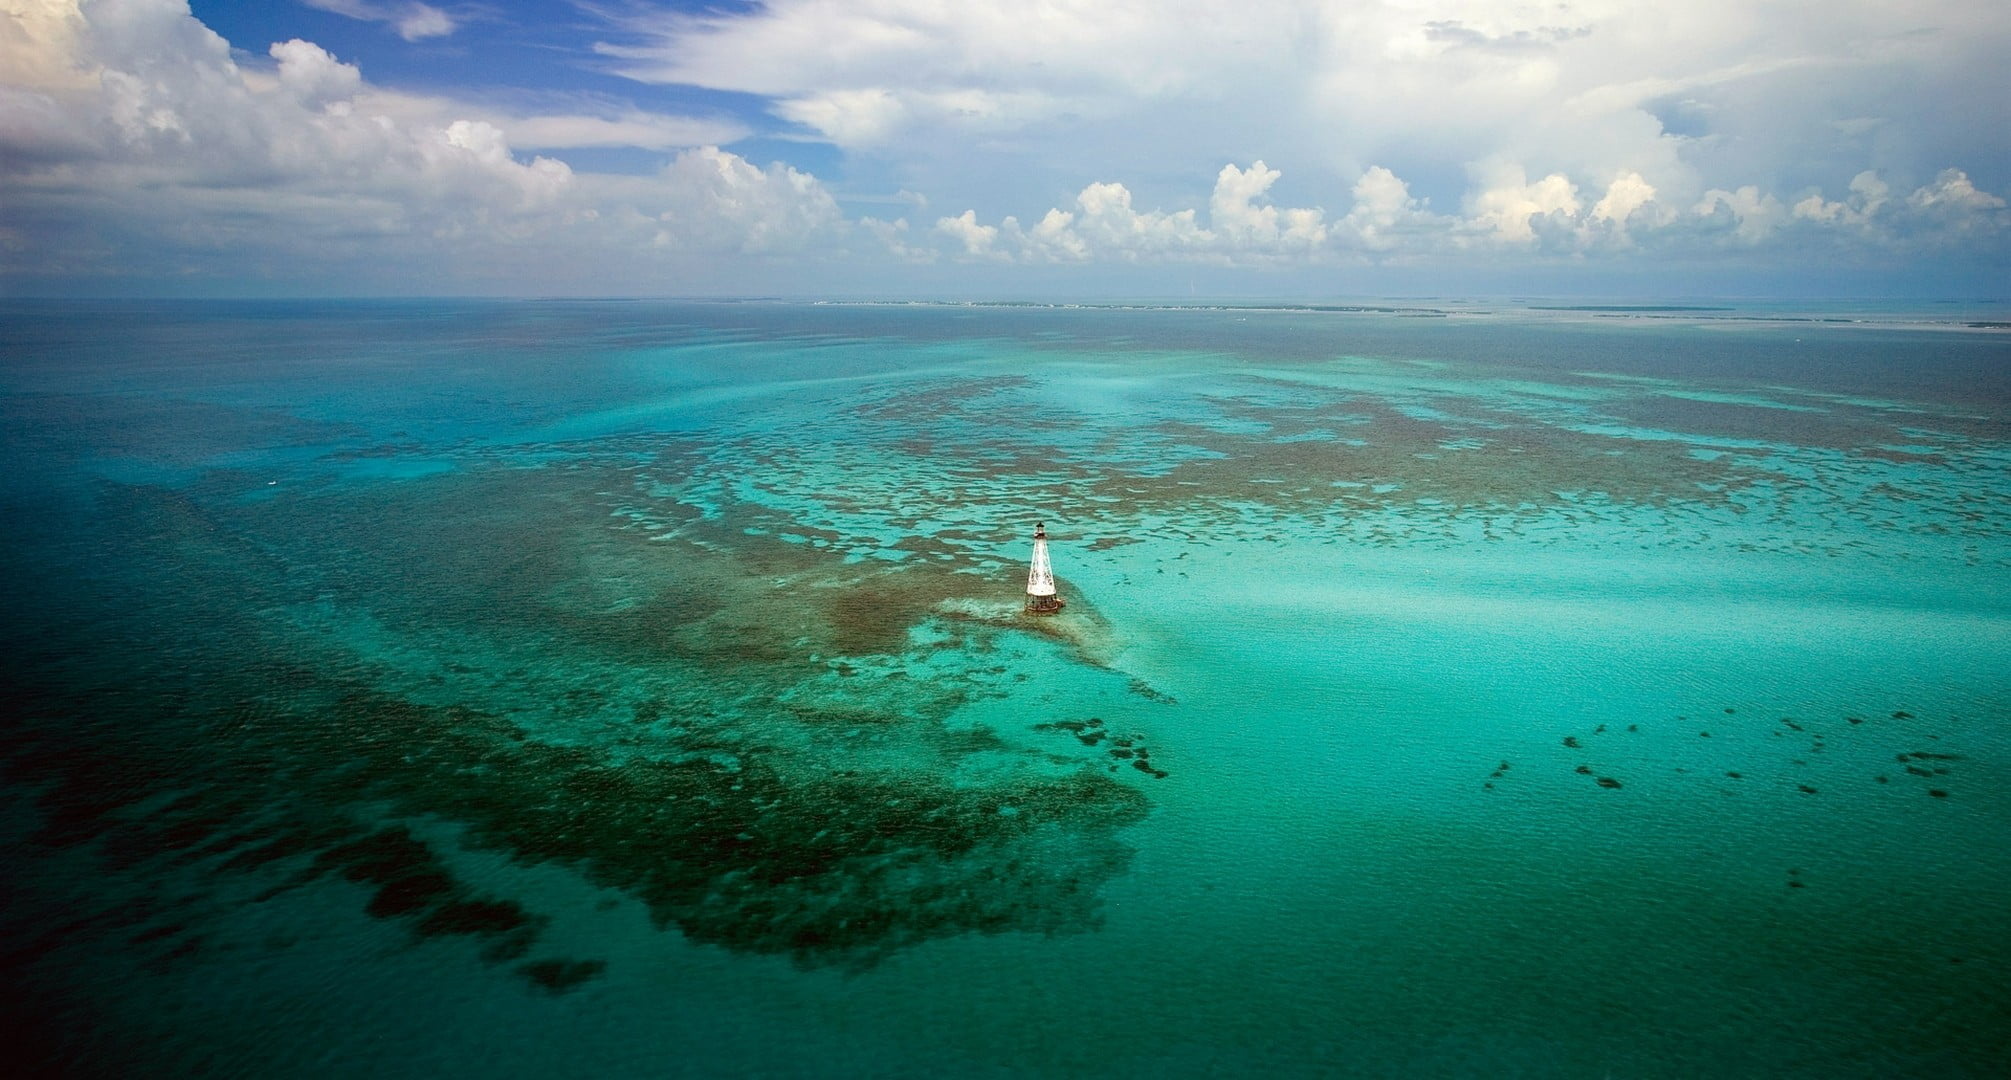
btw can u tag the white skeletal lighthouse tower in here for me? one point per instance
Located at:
(1040, 597)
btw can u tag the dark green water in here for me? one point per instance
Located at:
(559, 689)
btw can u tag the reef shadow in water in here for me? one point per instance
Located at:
(752, 824)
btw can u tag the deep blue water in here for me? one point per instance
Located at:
(566, 688)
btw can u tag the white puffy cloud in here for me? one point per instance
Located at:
(1626, 195)
(135, 141)
(38, 45)
(1477, 133)
(1644, 112)
(309, 73)
(171, 110)
(1947, 213)
(716, 201)
(1236, 215)
(476, 152)
(1507, 205)
(1506, 213)
(1243, 227)
(1868, 195)
(1751, 215)
(1385, 216)
(1053, 238)
(1952, 192)
(977, 240)
(1110, 224)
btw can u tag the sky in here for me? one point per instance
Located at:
(1005, 149)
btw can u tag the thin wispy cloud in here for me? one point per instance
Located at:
(412, 21)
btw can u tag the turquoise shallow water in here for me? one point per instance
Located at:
(552, 689)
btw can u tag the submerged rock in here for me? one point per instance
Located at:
(561, 976)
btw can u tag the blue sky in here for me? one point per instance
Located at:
(1005, 148)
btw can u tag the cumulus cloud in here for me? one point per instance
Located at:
(1953, 193)
(1243, 227)
(1643, 112)
(719, 201)
(1475, 133)
(1506, 213)
(1385, 216)
(172, 108)
(1053, 238)
(1110, 223)
(1625, 196)
(412, 21)
(310, 74)
(38, 46)
(1237, 216)
(1750, 215)
(1868, 196)
(978, 241)
(137, 142)
(1507, 207)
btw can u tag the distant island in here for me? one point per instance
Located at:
(1625, 307)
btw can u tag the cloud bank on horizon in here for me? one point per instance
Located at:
(989, 145)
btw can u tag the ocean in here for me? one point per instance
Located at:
(1446, 688)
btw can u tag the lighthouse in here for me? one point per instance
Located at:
(1040, 597)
